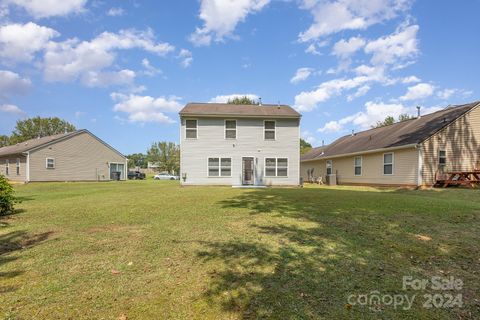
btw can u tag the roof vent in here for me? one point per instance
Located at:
(419, 115)
(260, 101)
(353, 132)
(444, 120)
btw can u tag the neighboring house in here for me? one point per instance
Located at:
(75, 156)
(408, 153)
(227, 144)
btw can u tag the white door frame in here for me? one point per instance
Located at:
(253, 170)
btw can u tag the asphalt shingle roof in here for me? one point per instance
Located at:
(396, 135)
(224, 109)
(32, 143)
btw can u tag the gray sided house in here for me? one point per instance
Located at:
(226, 144)
(408, 153)
(75, 156)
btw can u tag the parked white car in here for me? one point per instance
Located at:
(165, 176)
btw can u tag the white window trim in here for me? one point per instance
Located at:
(196, 120)
(225, 129)
(7, 167)
(46, 163)
(220, 167)
(393, 164)
(326, 166)
(276, 167)
(274, 130)
(17, 166)
(125, 172)
(360, 166)
(442, 164)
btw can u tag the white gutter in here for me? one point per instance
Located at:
(420, 166)
(407, 146)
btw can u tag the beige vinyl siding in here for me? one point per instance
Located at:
(13, 168)
(250, 142)
(79, 158)
(460, 140)
(405, 168)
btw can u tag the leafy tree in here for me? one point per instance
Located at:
(304, 146)
(4, 141)
(241, 100)
(7, 197)
(166, 154)
(388, 121)
(39, 127)
(137, 160)
(391, 120)
(404, 117)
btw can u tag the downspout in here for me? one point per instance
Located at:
(27, 169)
(420, 165)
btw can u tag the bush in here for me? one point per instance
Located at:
(7, 197)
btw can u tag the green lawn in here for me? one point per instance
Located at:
(154, 250)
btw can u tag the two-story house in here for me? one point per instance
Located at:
(239, 145)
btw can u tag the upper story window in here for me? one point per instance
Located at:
(7, 165)
(50, 163)
(230, 129)
(269, 129)
(18, 166)
(191, 129)
(358, 165)
(442, 158)
(329, 164)
(388, 163)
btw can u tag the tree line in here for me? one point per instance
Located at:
(36, 127)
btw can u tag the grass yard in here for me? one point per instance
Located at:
(154, 250)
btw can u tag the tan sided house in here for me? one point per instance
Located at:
(75, 156)
(409, 153)
(239, 145)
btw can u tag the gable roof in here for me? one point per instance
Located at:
(239, 110)
(400, 134)
(32, 144)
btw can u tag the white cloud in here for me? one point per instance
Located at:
(186, 56)
(19, 42)
(446, 93)
(410, 79)
(225, 98)
(307, 100)
(419, 91)
(115, 12)
(108, 78)
(334, 16)
(149, 69)
(331, 126)
(74, 59)
(146, 108)
(220, 18)
(301, 75)
(345, 48)
(363, 90)
(12, 84)
(396, 47)
(10, 108)
(49, 8)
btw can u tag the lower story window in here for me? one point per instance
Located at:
(276, 167)
(18, 166)
(50, 163)
(388, 164)
(442, 158)
(329, 164)
(358, 166)
(7, 167)
(219, 167)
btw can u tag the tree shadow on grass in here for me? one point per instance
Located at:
(12, 242)
(321, 246)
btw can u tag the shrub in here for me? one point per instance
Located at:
(7, 197)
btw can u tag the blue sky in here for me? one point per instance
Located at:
(123, 69)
